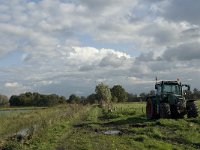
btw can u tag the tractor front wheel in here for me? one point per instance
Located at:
(165, 110)
(192, 110)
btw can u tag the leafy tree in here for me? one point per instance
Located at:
(196, 93)
(92, 99)
(74, 99)
(14, 100)
(62, 100)
(3, 100)
(119, 93)
(143, 94)
(103, 94)
(83, 99)
(152, 92)
(53, 99)
(132, 97)
(114, 99)
(36, 99)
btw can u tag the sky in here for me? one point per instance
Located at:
(69, 46)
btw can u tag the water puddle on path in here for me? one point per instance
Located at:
(112, 132)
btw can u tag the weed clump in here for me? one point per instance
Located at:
(12, 145)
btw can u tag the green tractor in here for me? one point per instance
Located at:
(170, 101)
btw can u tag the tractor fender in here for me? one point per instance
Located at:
(188, 101)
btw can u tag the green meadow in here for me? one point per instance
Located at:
(78, 127)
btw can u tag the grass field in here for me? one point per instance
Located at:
(77, 127)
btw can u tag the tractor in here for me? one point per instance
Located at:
(170, 101)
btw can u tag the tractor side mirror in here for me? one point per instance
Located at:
(188, 86)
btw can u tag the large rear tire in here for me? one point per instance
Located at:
(149, 109)
(192, 110)
(165, 110)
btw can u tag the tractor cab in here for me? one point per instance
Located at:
(170, 92)
(168, 87)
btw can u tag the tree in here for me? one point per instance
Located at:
(152, 92)
(132, 97)
(119, 93)
(103, 94)
(196, 93)
(14, 100)
(62, 100)
(83, 99)
(3, 100)
(92, 99)
(74, 99)
(143, 96)
(114, 98)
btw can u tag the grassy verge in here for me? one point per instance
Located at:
(50, 136)
(77, 127)
(50, 124)
(136, 132)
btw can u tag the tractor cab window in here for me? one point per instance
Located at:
(175, 89)
(158, 89)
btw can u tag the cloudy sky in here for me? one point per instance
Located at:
(69, 46)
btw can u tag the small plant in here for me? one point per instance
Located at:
(12, 145)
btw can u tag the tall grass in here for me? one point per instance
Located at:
(137, 132)
(48, 125)
(12, 122)
(59, 128)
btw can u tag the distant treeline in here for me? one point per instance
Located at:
(36, 99)
(117, 94)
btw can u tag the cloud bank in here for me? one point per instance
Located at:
(68, 47)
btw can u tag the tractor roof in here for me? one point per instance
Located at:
(167, 82)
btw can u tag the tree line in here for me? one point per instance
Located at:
(103, 94)
(36, 99)
(118, 94)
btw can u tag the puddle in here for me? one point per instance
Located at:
(112, 132)
(17, 110)
(5, 111)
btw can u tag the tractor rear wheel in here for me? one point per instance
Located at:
(149, 109)
(165, 110)
(192, 110)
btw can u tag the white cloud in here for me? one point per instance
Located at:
(136, 80)
(12, 85)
